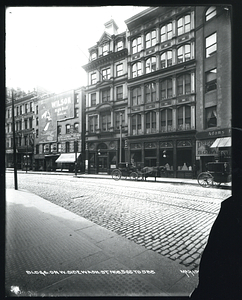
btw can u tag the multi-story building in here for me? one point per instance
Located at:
(168, 90)
(61, 127)
(25, 119)
(106, 101)
(213, 83)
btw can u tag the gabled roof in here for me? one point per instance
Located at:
(106, 37)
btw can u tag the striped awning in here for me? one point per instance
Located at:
(67, 158)
(221, 142)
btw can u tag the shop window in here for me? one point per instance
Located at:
(166, 59)
(184, 84)
(150, 92)
(119, 69)
(119, 91)
(166, 120)
(106, 122)
(120, 45)
(136, 96)
(136, 45)
(117, 119)
(166, 32)
(211, 80)
(105, 95)
(150, 122)
(93, 99)
(68, 128)
(92, 124)
(150, 65)
(183, 53)
(150, 39)
(211, 116)
(211, 44)
(184, 25)
(136, 69)
(210, 13)
(136, 124)
(106, 73)
(93, 78)
(166, 88)
(184, 160)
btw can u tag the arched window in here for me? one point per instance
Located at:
(166, 32)
(210, 13)
(166, 59)
(183, 53)
(184, 24)
(68, 128)
(150, 65)
(136, 45)
(166, 88)
(150, 39)
(136, 69)
(76, 127)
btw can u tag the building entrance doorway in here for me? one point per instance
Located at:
(102, 164)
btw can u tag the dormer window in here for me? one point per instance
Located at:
(93, 55)
(120, 45)
(105, 49)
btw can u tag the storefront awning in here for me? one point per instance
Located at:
(221, 142)
(67, 158)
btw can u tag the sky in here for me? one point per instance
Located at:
(47, 46)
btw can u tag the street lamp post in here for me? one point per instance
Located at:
(75, 148)
(120, 149)
(14, 147)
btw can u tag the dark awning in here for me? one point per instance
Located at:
(67, 158)
(221, 142)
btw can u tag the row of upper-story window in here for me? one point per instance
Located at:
(184, 116)
(160, 34)
(21, 109)
(68, 128)
(152, 91)
(23, 124)
(164, 60)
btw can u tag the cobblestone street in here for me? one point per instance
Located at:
(173, 220)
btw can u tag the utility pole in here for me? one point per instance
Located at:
(14, 147)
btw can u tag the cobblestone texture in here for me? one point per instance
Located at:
(173, 220)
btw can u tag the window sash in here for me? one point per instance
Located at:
(210, 13)
(211, 44)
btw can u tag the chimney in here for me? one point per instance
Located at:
(111, 27)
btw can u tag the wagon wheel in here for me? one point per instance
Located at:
(205, 179)
(116, 174)
(134, 176)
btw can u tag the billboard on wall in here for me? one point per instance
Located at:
(51, 110)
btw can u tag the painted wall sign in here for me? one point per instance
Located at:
(203, 148)
(51, 110)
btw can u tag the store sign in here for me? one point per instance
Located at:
(51, 110)
(213, 133)
(203, 148)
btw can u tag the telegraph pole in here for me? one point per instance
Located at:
(120, 149)
(14, 147)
